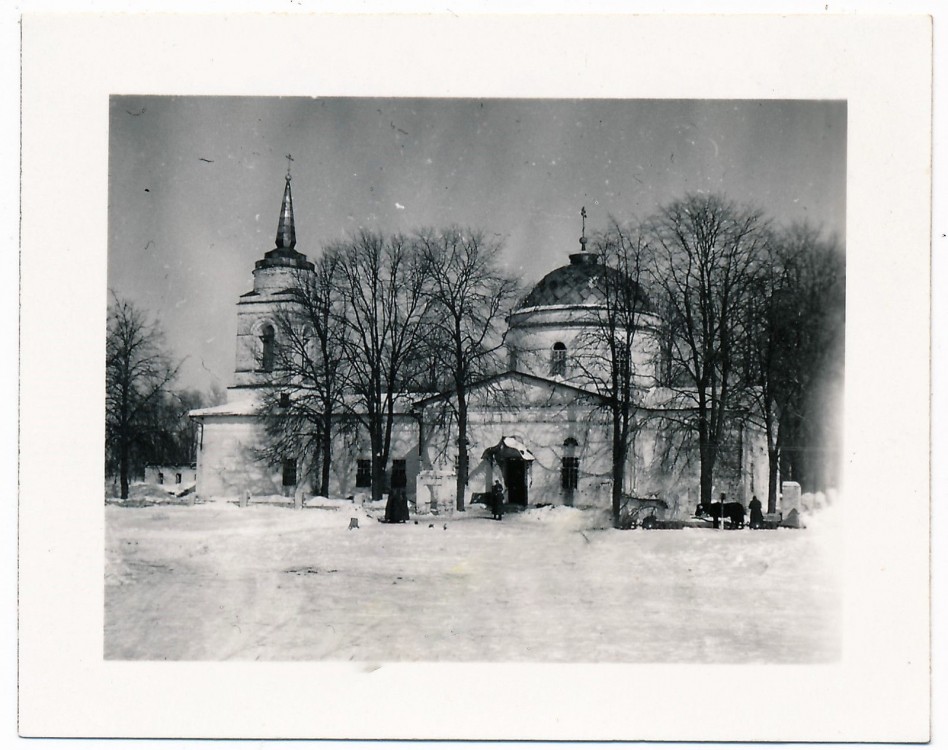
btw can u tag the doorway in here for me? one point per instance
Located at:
(515, 480)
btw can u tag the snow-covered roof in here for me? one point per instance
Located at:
(509, 375)
(246, 408)
(250, 405)
(509, 445)
(404, 402)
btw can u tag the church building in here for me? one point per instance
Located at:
(541, 427)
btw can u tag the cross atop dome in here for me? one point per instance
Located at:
(583, 256)
(582, 239)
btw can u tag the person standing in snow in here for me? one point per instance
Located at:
(396, 509)
(497, 500)
(756, 513)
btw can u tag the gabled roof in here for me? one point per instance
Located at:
(247, 408)
(512, 375)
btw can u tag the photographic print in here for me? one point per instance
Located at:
(374, 368)
(474, 379)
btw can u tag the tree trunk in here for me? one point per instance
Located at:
(326, 451)
(707, 480)
(378, 465)
(462, 457)
(618, 470)
(706, 455)
(773, 467)
(123, 466)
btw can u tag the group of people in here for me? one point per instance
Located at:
(396, 509)
(732, 512)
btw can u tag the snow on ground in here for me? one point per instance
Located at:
(215, 581)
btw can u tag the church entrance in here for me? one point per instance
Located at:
(513, 459)
(515, 480)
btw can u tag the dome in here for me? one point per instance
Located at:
(579, 283)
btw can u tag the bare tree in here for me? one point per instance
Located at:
(706, 248)
(385, 284)
(138, 376)
(470, 295)
(608, 346)
(305, 393)
(795, 321)
(181, 431)
(766, 356)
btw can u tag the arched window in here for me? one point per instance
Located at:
(558, 359)
(268, 348)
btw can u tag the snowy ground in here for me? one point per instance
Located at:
(216, 581)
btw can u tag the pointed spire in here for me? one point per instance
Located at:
(284, 255)
(286, 231)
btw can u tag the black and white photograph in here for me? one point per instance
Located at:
(471, 377)
(474, 380)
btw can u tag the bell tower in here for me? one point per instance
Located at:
(275, 277)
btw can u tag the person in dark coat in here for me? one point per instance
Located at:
(497, 500)
(756, 513)
(396, 509)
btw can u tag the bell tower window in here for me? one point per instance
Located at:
(558, 359)
(268, 348)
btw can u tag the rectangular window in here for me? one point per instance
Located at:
(177, 478)
(363, 473)
(284, 400)
(161, 478)
(399, 474)
(569, 474)
(289, 472)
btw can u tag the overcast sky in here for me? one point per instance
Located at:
(196, 183)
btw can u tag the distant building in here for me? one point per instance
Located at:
(540, 427)
(171, 475)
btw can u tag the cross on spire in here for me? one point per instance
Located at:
(582, 239)
(289, 159)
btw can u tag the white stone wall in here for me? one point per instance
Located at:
(542, 421)
(229, 462)
(533, 333)
(353, 444)
(169, 475)
(229, 459)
